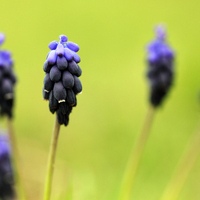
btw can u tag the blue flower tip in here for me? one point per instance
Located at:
(73, 46)
(53, 45)
(63, 38)
(160, 32)
(2, 38)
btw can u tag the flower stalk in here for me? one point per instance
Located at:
(136, 155)
(51, 160)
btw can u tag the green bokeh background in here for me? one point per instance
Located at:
(94, 148)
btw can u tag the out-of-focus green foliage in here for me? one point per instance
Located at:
(94, 148)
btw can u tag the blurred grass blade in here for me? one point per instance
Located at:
(136, 155)
(183, 168)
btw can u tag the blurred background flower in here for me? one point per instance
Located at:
(6, 171)
(95, 147)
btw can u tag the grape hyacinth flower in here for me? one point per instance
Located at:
(61, 82)
(160, 62)
(160, 73)
(61, 85)
(7, 81)
(6, 172)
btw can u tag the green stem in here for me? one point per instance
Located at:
(21, 194)
(183, 168)
(51, 160)
(135, 157)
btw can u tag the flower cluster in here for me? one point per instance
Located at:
(61, 82)
(6, 173)
(160, 61)
(7, 81)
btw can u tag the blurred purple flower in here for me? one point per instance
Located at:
(7, 81)
(160, 59)
(6, 172)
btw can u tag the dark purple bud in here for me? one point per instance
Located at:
(12, 77)
(77, 85)
(6, 106)
(63, 107)
(1, 75)
(48, 83)
(53, 45)
(55, 74)
(60, 50)
(72, 67)
(69, 55)
(71, 97)
(66, 122)
(46, 67)
(67, 79)
(6, 71)
(7, 88)
(51, 59)
(53, 103)
(62, 119)
(69, 109)
(63, 38)
(79, 71)
(59, 92)
(73, 46)
(62, 63)
(77, 58)
(45, 94)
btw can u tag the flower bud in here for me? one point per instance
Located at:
(67, 80)
(62, 63)
(77, 85)
(55, 74)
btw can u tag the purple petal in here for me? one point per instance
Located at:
(77, 58)
(152, 57)
(69, 55)
(60, 50)
(6, 55)
(53, 45)
(52, 57)
(73, 46)
(63, 38)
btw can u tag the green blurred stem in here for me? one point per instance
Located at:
(183, 168)
(21, 194)
(51, 160)
(136, 155)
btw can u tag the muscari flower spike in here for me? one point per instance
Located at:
(6, 172)
(61, 82)
(160, 73)
(7, 81)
